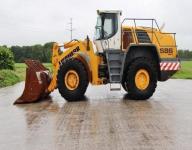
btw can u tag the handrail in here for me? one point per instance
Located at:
(152, 27)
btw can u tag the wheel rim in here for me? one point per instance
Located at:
(71, 80)
(142, 79)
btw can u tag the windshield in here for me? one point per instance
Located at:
(98, 28)
(106, 27)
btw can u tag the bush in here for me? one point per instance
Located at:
(8, 77)
(6, 58)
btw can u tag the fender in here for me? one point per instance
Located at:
(143, 50)
(85, 60)
(145, 47)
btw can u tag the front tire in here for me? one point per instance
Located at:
(141, 79)
(72, 80)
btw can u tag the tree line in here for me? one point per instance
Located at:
(37, 52)
(185, 54)
(43, 53)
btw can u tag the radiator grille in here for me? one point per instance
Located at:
(142, 36)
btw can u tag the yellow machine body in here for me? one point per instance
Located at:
(165, 42)
(77, 49)
(134, 57)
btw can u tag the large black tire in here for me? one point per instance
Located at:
(129, 84)
(123, 84)
(79, 68)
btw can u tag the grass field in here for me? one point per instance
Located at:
(8, 77)
(185, 72)
(20, 69)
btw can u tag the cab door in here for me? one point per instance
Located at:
(108, 32)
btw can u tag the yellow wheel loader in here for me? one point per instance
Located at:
(134, 57)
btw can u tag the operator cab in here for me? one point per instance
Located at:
(108, 30)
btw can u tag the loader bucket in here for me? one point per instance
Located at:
(36, 83)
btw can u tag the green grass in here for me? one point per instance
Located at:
(185, 72)
(8, 77)
(20, 69)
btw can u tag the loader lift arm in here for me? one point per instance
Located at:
(37, 72)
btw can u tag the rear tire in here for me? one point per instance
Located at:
(123, 84)
(130, 84)
(78, 67)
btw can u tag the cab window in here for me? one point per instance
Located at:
(107, 26)
(110, 25)
(127, 38)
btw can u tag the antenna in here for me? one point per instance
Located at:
(71, 28)
(162, 27)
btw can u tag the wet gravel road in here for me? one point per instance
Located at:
(105, 120)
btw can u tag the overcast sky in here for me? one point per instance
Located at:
(28, 22)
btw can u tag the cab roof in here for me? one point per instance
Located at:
(109, 11)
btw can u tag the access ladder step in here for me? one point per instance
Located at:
(115, 88)
(115, 60)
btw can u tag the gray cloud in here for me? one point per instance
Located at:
(27, 22)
